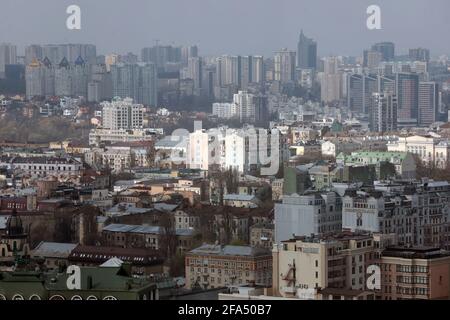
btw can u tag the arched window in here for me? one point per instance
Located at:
(35, 297)
(109, 298)
(2, 297)
(76, 297)
(92, 298)
(17, 297)
(57, 297)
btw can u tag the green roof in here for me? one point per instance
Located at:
(373, 156)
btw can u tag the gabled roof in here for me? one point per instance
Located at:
(64, 63)
(79, 61)
(113, 262)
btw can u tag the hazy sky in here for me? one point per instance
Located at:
(229, 26)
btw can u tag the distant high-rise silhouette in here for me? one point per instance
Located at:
(306, 53)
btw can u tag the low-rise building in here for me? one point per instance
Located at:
(53, 255)
(241, 200)
(215, 266)
(144, 236)
(143, 261)
(43, 166)
(430, 149)
(405, 165)
(262, 235)
(111, 283)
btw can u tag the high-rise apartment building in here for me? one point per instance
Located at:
(161, 55)
(57, 52)
(39, 79)
(419, 54)
(239, 71)
(137, 81)
(429, 103)
(284, 66)
(32, 52)
(407, 91)
(384, 112)
(331, 81)
(387, 50)
(188, 52)
(8, 55)
(194, 72)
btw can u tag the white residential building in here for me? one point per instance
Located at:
(122, 114)
(303, 215)
(198, 155)
(225, 110)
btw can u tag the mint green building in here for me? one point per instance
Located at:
(404, 163)
(94, 283)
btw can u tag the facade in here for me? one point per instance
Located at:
(384, 112)
(122, 114)
(215, 266)
(198, 154)
(194, 72)
(429, 103)
(419, 54)
(43, 166)
(430, 149)
(360, 89)
(262, 235)
(239, 71)
(8, 55)
(340, 261)
(415, 273)
(285, 66)
(331, 80)
(418, 214)
(100, 135)
(225, 110)
(137, 81)
(141, 236)
(407, 91)
(301, 215)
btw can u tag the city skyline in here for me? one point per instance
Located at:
(279, 21)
